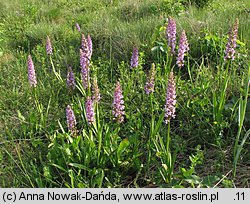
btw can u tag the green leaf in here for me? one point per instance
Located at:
(158, 124)
(59, 167)
(193, 179)
(79, 166)
(162, 28)
(68, 152)
(98, 180)
(123, 145)
(1, 156)
(19, 114)
(210, 181)
(155, 49)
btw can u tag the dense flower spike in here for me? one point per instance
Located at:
(48, 46)
(149, 87)
(90, 113)
(84, 69)
(78, 27)
(71, 120)
(95, 91)
(31, 72)
(171, 34)
(170, 99)
(89, 43)
(70, 79)
(134, 62)
(83, 60)
(231, 44)
(85, 47)
(118, 104)
(85, 55)
(183, 48)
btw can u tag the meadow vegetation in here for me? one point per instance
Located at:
(205, 145)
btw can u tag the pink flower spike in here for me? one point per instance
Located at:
(84, 69)
(183, 48)
(231, 44)
(149, 87)
(78, 27)
(170, 99)
(90, 113)
(95, 91)
(49, 49)
(71, 120)
(134, 62)
(118, 104)
(171, 34)
(31, 72)
(89, 43)
(70, 79)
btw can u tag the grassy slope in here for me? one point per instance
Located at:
(115, 26)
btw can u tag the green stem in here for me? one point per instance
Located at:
(227, 68)
(110, 60)
(222, 99)
(99, 147)
(151, 131)
(170, 63)
(151, 104)
(178, 76)
(242, 112)
(189, 72)
(168, 138)
(89, 89)
(166, 64)
(58, 75)
(168, 155)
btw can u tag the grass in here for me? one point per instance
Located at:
(206, 145)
